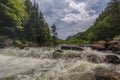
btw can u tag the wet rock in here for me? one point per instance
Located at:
(57, 54)
(65, 55)
(94, 59)
(72, 55)
(59, 51)
(117, 39)
(71, 47)
(105, 74)
(98, 47)
(114, 48)
(117, 52)
(114, 45)
(104, 46)
(101, 42)
(112, 59)
(114, 42)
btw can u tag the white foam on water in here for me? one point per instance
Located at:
(37, 64)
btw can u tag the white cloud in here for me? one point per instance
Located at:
(83, 14)
(71, 16)
(68, 1)
(78, 7)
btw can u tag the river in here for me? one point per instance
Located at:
(39, 64)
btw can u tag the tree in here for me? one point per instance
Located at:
(36, 26)
(106, 26)
(21, 20)
(53, 30)
(12, 17)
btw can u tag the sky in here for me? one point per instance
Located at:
(71, 16)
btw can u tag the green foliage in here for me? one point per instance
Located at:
(36, 29)
(22, 21)
(18, 42)
(59, 41)
(77, 41)
(12, 16)
(107, 25)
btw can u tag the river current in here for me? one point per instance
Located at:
(39, 64)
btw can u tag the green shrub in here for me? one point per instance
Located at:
(18, 42)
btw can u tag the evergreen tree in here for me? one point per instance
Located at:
(36, 29)
(106, 26)
(53, 30)
(12, 17)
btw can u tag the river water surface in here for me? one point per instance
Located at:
(39, 64)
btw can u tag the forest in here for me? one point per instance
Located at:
(22, 22)
(106, 26)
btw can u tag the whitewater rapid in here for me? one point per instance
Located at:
(39, 64)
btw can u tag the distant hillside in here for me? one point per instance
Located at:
(73, 36)
(107, 25)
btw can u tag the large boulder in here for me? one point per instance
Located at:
(65, 55)
(114, 45)
(112, 59)
(57, 54)
(98, 47)
(114, 42)
(105, 74)
(71, 47)
(94, 58)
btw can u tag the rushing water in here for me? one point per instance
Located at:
(39, 64)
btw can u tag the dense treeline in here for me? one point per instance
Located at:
(36, 29)
(12, 17)
(107, 25)
(22, 21)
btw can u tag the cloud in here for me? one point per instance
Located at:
(71, 16)
(84, 14)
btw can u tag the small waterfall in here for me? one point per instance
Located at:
(43, 64)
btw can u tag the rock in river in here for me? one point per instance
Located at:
(112, 59)
(105, 74)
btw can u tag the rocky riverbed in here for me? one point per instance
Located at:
(113, 45)
(49, 64)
